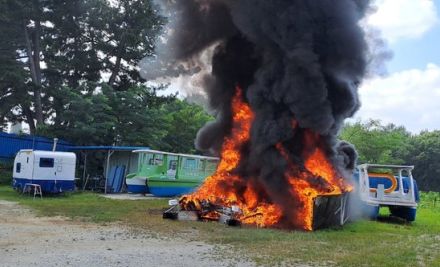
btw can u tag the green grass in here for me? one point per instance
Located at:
(364, 243)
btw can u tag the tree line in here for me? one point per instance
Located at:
(391, 144)
(69, 68)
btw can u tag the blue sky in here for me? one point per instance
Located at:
(409, 94)
(417, 52)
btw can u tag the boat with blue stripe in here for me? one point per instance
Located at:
(391, 186)
(166, 174)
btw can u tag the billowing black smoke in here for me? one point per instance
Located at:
(296, 60)
(299, 64)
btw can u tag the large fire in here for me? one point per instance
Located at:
(314, 177)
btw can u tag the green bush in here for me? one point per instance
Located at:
(430, 200)
(5, 173)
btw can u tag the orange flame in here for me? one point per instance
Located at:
(225, 188)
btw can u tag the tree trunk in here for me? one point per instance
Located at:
(37, 90)
(117, 67)
(120, 48)
(33, 53)
(30, 119)
(29, 53)
(115, 71)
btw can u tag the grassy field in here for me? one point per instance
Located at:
(364, 243)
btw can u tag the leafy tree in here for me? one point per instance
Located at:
(389, 144)
(20, 46)
(106, 116)
(14, 92)
(377, 143)
(54, 45)
(6, 173)
(69, 69)
(136, 117)
(110, 38)
(86, 119)
(184, 121)
(424, 153)
(140, 119)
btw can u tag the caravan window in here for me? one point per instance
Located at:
(148, 159)
(172, 165)
(156, 159)
(18, 167)
(190, 164)
(46, 162)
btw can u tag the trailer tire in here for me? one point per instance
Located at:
(406, 213)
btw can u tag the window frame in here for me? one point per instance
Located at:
(18, 167)
(46, 162)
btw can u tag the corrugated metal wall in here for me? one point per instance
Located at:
(125, 158)
(10, 144)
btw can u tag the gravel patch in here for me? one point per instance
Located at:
(27, 240)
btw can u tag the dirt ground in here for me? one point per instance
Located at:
(27, 240)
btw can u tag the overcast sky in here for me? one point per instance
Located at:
(409, 94)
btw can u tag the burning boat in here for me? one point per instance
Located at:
(282, 78)
(316, 187)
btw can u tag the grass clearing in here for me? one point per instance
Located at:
(364, 243)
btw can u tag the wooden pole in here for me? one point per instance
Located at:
(84, 170)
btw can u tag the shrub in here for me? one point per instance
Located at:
(5, 173)
(430, 199)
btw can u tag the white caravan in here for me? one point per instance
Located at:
(53, 171)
